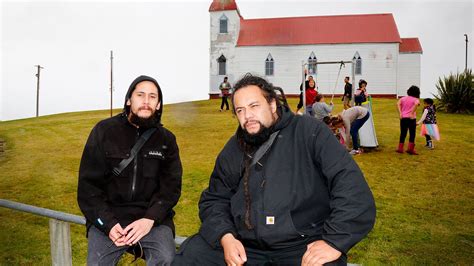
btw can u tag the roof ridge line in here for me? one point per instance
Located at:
(323, 16)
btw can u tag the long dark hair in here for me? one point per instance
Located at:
(270, 94)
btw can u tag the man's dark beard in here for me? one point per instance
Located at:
(256, 139)
(142, 122)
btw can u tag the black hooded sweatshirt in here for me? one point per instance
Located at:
(149, 187)
(305, 188)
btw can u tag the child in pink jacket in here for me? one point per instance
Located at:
(407, 108)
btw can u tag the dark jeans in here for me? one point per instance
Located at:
(196, 251)
(158, 247)
(224, 101)
(355, 126)
(407, 124)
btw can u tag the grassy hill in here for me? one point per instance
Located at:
(425, 203)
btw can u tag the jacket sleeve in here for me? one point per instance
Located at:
(167, 196)
(328, 108)
(352, 205)
(423, 116)
(90, 190)
(214, 205)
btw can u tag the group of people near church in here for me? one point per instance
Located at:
(346, 124)
(283, 190)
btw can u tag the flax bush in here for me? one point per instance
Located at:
(456, 93)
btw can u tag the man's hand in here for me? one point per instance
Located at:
(117, 235)
(137, 230)
(318, 253)
(234, 252)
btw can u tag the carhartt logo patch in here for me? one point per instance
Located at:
(270, 219)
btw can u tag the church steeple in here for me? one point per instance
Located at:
(221, 5)
(225, 27)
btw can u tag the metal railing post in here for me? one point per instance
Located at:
(60, 239)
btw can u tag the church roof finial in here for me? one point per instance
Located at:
(221, 5)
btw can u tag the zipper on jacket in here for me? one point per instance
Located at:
(135, 166)
(134, 180)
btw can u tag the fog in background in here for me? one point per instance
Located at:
(169, 40)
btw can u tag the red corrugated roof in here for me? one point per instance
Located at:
(369, 28)
(410, 45)
(221, 5)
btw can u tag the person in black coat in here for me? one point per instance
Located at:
(131, 207)
(347, 97)
(283, 190)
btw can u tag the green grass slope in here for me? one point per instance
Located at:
(424, 203)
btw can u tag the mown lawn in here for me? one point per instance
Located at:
(425, 203)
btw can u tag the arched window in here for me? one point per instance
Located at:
(312, 66)
(223, 24)
(269, 65)
(222, 61)
(358, 64)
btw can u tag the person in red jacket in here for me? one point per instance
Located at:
(311, 94)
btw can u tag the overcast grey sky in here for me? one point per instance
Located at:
(169, 40)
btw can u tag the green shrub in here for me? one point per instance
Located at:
(456, 93)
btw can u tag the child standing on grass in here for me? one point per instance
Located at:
(429, 128)
(407, 108)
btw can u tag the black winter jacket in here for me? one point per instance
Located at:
(149, 187)
(307, 187)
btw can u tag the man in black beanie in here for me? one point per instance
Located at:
(130, 180)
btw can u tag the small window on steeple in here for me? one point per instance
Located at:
(223, 24)
(269, 65)
(358, 64)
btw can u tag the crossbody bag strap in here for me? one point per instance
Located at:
(136, 148)
(264, 148)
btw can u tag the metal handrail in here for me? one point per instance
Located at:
(62, 216)
(66, 217)
(59, 229)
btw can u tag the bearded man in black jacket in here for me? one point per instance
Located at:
(127, 194)
(283, 190)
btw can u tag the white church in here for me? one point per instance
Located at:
(278, 48)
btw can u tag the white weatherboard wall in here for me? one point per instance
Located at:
(379, 65)
(409, 68)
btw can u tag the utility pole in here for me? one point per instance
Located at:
(38, 88)
(465, 68)
(111, 80)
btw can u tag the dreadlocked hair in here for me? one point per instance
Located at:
(270, 94)
(247, 160)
